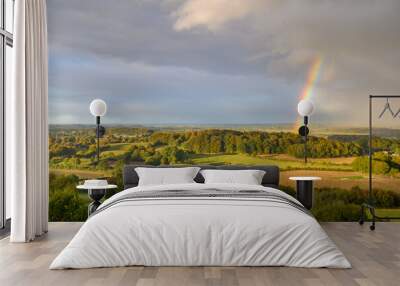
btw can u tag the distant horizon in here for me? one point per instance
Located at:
(315, 125)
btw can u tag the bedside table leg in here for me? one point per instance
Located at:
(96, 195)
(92, 207)
(305, 193)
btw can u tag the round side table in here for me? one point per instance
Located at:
(96, 193)
(305, 190)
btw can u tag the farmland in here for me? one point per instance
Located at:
(338, 159)
(336, 173)
(72, 151)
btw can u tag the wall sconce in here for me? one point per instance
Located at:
(98, 108)
(305, 108)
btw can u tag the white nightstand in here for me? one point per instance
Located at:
(96, 193)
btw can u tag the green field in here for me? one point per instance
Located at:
(336, 172)
(115, 149)
(89, 174)
(217, 147)
(283, 164)
(386, 213)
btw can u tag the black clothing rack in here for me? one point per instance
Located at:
(370, 204)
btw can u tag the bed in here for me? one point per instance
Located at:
(197, 224)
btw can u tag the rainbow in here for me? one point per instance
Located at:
(307, 90)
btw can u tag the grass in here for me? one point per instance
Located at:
(115, 149)
(283, 164)
(119, 147)
(89, 174)
(342, 179)
(356, 177)
(386, 213)
(331, 161)
(84, 195)
(109, 153)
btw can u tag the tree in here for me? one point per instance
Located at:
(102, 165)
(154, 160)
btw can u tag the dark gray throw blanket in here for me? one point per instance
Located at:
(205, 193)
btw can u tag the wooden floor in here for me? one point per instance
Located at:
(375, 257)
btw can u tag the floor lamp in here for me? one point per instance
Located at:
(98, 108)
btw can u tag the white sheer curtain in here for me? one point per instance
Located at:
(27, 123)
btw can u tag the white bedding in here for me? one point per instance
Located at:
(200, 231)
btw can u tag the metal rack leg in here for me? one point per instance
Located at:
(367, 207)
(372, 226)
(362, 219)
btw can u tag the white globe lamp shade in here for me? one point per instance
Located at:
(98, 107)
(305, 107)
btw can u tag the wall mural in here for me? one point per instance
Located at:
(218, 82)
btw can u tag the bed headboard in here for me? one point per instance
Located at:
(271, 177)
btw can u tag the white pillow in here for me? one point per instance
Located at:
(166, 176)
(248, 177)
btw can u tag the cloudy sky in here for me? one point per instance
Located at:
(220, 61)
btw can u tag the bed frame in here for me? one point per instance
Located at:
(271, 177)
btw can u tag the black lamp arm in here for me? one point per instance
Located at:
(100, 131)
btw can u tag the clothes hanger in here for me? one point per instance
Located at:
(397, 113)
(387, 107)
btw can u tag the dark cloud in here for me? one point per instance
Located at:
(140, 93)
(156, 62)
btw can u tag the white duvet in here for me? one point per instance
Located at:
(193, 231)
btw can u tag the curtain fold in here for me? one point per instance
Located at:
(28, 123)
